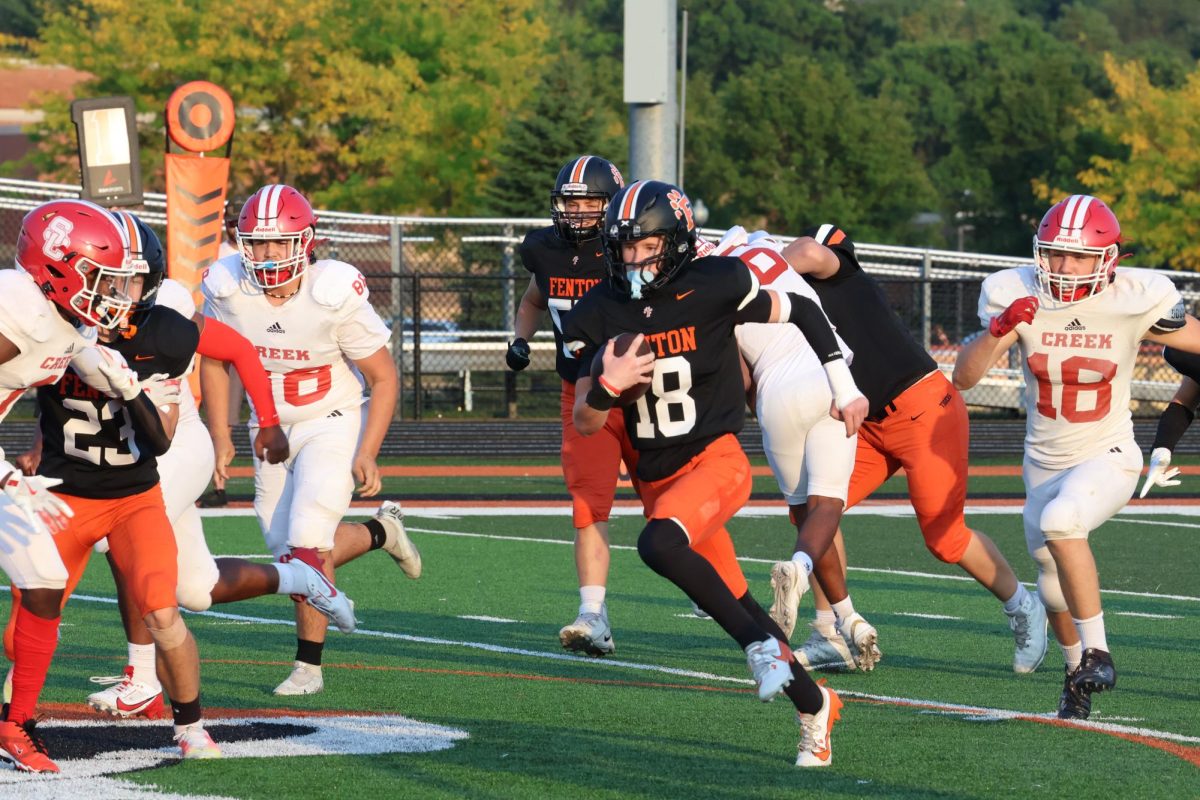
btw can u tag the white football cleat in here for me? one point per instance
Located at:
(320, 593)
(788, 582)
(862, 640)
(195, 743)
(305, 679)
(825, 651)
(398, 545)
(700, 613)
(127, 698)
(771, 664)
(1028, 624)
(590, 633)
(816, 749)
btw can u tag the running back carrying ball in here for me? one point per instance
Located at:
(621, 343)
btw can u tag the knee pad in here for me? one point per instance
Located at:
(1061, 520)
(1047, 583)
(660, 539)
(194, 596)
(170, 637)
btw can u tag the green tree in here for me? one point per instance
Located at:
(364, 104)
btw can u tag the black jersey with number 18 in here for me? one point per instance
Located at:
(88, 439)
(697, 393)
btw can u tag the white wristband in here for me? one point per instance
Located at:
(841, 382)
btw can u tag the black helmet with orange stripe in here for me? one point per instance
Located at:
(641, 210)
(592, 180)
(147, 259)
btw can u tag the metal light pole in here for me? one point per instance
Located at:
(650, 77)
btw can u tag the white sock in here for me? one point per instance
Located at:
(1072, 655)
(844, 608)
(1091, 632)
(801, 558)
(591, 599)
(141, 658)
(825, 621)
(292, 579)
(1013, 603)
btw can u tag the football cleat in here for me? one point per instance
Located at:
(862, 639)
(771, 664)
(1096, 672)
(195, 743)
(23, 747)
(589, 633)
(816, 748)
(127, 698)
(825, 651)
(1074, 703)
(321, 594)
(398, 545)
(1028, 624)
(788, 582)
(699, 612)
(305, 679)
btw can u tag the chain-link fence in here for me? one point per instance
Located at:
(448, 288)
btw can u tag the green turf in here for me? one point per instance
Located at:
(618, 737)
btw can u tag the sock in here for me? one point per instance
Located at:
(378, 533)
(1013, 603)
(141, 658)
(591, 599)
(825, 620)
(34, 641)
(844, 608)
(1091, 632)
(292, 579)
(309, 652)
(801, 558)
(1072, 655)
(185, 713)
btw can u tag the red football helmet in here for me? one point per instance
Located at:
(79, 257)
(277, 213)
(1079, 225)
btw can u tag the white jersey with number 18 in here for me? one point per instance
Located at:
(1079, 359)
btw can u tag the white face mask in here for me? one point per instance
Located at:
(637, 280)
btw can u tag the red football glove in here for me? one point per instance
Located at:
(1020, 311)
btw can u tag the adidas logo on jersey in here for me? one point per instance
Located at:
(277, 328)
(1075, 325)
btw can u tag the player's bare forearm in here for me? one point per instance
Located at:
(529, 312)
(807, 256)
(976, 358)
(587, 420)
(379, 371)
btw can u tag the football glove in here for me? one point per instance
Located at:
(517, 356)
(44, 510)
(162, 389)
(1159, 474)
(1021, 310)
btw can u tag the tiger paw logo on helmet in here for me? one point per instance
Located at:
(683, 207)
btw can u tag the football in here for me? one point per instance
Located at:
(621, 343)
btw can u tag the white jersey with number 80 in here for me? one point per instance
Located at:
(1079, 359)
(308, 344)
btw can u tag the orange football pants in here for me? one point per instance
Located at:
(140, 539)
(591, 464)
(702, 496)
(927, 433)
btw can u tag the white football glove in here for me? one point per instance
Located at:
(44, 510)
(162, 389)
(105, 371)
(1158, 474)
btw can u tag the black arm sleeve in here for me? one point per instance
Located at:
(806, 315)
(148, 424)
(1172, 425)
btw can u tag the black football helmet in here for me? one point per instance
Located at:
(147, 258)
(642, 209)
(583, 177)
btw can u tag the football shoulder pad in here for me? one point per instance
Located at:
(336, 284)
(222, 277)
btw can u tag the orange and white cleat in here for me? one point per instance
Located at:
(23, 746)
(816, 749)
(195, 743)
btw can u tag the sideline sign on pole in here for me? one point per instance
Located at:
(106, 129)
(200, 120)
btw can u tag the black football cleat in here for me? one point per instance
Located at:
(1074, 703)
(1096, 672)
(214, 499)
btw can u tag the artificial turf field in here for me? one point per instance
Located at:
(455, 685)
